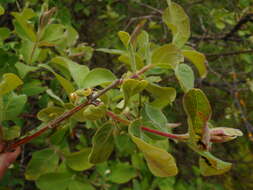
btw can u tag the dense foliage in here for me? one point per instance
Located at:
(127, 95)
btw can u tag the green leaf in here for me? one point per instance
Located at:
(12, 106)
(53, 34)
(78, 72)
(198, 59)
(176, 19)
(98, 76)
(4, 32)
(167, 56)
(68, 87)
(30, 55)
(23, 69)
(124, 37)
(78, 161)
(163, 95)
(54, 181)
(63, 181)
(102, 144)
(78, 185)
(198, 110)
(33, 88)
(9, 82)
(144, 46)
(47, 114)
(42, 162)
(132, 87)
(185, 76)
(160, 162)
(121, 173)
(94, 112)
(10, 133)
(1, 10)
(23, 28)
(210, 165)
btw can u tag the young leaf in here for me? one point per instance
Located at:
(102, 144)
(160, 162)
(167, 56)
(78, 161)
(124, 37)
(198, 59)
(163, 95)
(185, 76)
(43, 161)
(94, 112)
(97, 77)
(132, 87)
(176, 19)
(9, 82)
(23, 28)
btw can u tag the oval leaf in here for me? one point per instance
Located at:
(9, 82)
(185, 76)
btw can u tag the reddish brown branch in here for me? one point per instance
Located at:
(69, 113)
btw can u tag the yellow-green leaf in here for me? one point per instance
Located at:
(198, 59)
(1, 10)
(160, 162)
(177, 20)
(124, 37)
(185, 76)
(132, 87)
(9, 82)
(167, 56)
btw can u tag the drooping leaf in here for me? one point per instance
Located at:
(12, 106)
(121, 173)
(97, 77)
(124, 37)
(78, 72)
(102, 144)
(177, 20)
(160, 162)
(185, 76)
(210, 165)
(42, 162)
(167, 56)
(68, 87)
(198, 59)
(132, 87)
(23, 69)
(163, 95)
(198, 110)
(78, 161)
(9, 82)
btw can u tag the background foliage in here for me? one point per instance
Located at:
(222, 30)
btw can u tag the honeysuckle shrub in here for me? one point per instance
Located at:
(91, 117)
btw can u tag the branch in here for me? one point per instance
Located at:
(242, 21)
(68, 114)
(229, 53)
